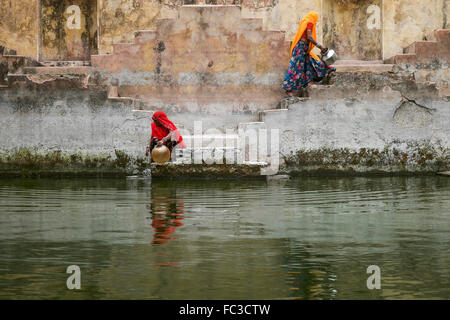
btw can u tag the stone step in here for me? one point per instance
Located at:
(420, 45)
(376, 68)
(209, 155)
(144, 113)
(75, 81)
(435, 47)
(14, 56)
(443, 37)
(357, 62)
(7, 51)
(439, 35)
(286, 102)
(16, 79)
(16, 64)
(444, 91)
(430, 36)
(252, 24)
(258, 125)
(142, 36)
(100, 60)
(132, 102)
(266, 113)
(119, 48)
(402, 59)
(113, 92)
(163, 26)
(65, 63)
(211, 141)
(228, 170)
(425, 51)
(78, 70)
(180, 161)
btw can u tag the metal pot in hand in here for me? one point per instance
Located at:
(329, 57)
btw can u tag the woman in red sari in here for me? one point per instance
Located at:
(164, 132)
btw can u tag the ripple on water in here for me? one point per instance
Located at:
(310, 238)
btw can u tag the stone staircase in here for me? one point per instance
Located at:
(75, 74)
(355, 79)
(215, 58)
(10, 62)
(375, 66)
(434, 50)
(208, 61)
(143, 57)
(428, 60)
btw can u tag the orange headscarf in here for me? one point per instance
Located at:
(311, 17)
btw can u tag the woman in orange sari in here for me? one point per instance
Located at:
(304, 65)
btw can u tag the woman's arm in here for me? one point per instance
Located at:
(310, 38)
(147, 150)
(165, 139)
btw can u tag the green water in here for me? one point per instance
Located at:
(310, 238)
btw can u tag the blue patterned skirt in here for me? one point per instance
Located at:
(303, 68)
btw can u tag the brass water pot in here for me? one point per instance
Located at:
(161, 154)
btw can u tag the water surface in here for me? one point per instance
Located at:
(309, 238)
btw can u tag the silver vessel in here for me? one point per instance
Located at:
(329, 57)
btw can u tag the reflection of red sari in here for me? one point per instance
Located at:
(165, 129)
(166, 216)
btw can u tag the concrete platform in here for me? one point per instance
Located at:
(357, 62)
(58, 70)
(375, 68)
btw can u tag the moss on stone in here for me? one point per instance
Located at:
(416, 158)
(31, 162)
(202, 170)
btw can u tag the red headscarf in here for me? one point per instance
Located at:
(167, 126)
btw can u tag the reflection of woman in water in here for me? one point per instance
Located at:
(167, 211)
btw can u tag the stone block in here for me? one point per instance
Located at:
(425, 51)
(142, 36)
(402, 59)
(251, 24)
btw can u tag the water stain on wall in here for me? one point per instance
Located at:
(69, 30)
(18, 26)
(353, 28)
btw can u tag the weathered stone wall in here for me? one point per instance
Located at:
(366, 122)
(59, 127)
(208, 61)
(19, 26)
(406, 21)
(118, 20)
(359, 123)
(402, 21)
(68, 35)
(353, 28)
(283, 15)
